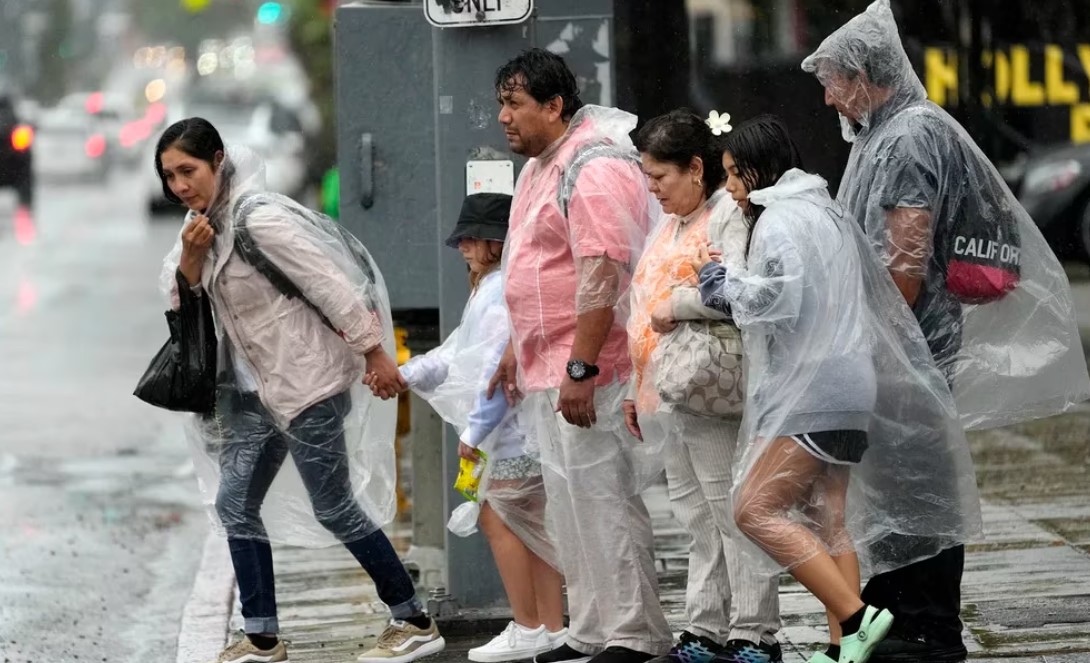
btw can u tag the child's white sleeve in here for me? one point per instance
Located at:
(487, 414)
(426, 372)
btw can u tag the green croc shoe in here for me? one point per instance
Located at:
(858, 647)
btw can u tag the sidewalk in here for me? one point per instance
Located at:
(1026, 593)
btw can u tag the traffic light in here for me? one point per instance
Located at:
(195, 6)
(270, 13)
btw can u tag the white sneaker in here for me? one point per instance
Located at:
(558, 637)
(516, 643)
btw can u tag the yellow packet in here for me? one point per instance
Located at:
(469, 476)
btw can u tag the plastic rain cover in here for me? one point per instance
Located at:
(579, 219)
(664, 274)
(995, 304)
(454, 378)
(832, 346)
(299, 451)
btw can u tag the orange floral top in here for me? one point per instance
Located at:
(665, 265)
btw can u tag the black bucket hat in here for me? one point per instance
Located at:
(483, 216)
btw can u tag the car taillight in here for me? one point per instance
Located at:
(95, 146)
(134, 132)
(155, 113)
(22, 137)
(93, 103)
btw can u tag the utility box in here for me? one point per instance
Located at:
(417, 131)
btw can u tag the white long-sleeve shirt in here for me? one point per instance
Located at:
(454, 377)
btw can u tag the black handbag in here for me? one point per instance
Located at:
(182, 376)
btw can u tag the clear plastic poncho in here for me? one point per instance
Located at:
(832, 346)
(995, 303)
(454, 379)
(665, 274)
(579, 219)
(298, 452)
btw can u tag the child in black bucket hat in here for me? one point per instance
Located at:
(454, 379)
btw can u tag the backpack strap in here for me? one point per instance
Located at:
(247, 250)
(583, 156)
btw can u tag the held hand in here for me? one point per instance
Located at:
(371, 380)
(197, 239)
(631, 419)
(382, 375)
(506, 377)
(577, 402)
(662, 317)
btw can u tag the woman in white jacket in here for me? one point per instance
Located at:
(845, 406)
(454, 379)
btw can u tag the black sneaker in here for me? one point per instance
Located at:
(744, 651)
(690, 649)
(562, 654)
(914, 648)
(622, 655)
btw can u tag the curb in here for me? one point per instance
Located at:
(207, 613)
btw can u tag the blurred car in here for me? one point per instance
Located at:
(164, 115)
(17, 140)
(120, 122)
(115, 116)
(272, 130)
(1054, 187)
(27, 110)
(69, 146)
(276, 133)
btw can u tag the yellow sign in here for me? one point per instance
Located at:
(195, 6)
(1014, 83)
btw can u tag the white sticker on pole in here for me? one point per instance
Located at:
(468, 13)
(493, 176)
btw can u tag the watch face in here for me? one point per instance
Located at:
(577, 370)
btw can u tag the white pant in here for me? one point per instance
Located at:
(601, 528)
(724, 599)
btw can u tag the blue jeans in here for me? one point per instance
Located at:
(252, 455)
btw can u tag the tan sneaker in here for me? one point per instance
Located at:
(245, 651)
(402, 642)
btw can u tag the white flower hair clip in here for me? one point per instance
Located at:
(719, 124)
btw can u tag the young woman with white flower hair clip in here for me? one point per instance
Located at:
(687, 394)
(845, 405)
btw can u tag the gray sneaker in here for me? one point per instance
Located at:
(402, 642)
(244, 651)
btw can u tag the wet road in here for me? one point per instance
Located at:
(100, 528)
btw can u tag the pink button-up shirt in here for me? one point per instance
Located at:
(608, 216)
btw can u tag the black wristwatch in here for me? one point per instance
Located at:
(579, 370)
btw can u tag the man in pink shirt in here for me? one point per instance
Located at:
(579, 218)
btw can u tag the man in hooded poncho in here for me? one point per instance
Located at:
(992, 300)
